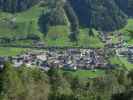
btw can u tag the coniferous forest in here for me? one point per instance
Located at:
(103, 14)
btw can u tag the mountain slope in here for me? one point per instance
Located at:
(126, 6)
(101, 14)
(67, 22)
(104, 15)
(16, 5)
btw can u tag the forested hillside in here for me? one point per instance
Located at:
(101, 14)
(61, 22)
(16, 5)
(126, 6)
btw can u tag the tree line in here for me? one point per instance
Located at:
(16, 5)
(102, 15)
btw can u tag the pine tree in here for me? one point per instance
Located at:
(12, 88)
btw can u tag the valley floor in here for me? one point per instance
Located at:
(18, 26)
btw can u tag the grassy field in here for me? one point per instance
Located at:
(24, 23)
(86, 73)
(90, 41)
(126, 35)
(120, 61)
(21, 24)
(59, 36)
(11, 51)
(129, 25)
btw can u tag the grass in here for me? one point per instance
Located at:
(90, 41)
(127, 64)
(121, 61)
(26, 22)
(129, 25)
(86, 73)
(59, 36)
(4, 51)
(115, 39)
(126, 35)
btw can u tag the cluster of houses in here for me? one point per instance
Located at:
(70, 58)
(126, 52)
(107, 39)
(67, 59)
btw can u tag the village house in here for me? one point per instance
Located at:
(2, 60)
(126, 52)
(68, 59)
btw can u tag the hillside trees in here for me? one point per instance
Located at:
(11, 85)
(126, 6)
(60, 14)
(23, 84)
(100, 14)
(55, 16)
(74, 23)
(34, 84)
(16, 5)
(60, 87)
(106, 15)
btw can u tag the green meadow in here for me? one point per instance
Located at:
(24, 23)
(86, 73)
(6, 51)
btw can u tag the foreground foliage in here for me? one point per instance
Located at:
(33, 84)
